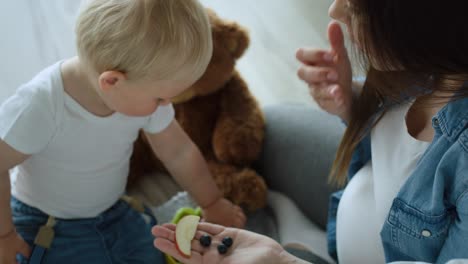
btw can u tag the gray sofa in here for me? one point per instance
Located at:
(299, 148)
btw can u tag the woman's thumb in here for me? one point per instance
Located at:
(336, 38)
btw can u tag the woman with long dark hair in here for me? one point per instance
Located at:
(404, 156)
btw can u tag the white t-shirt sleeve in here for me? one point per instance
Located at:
(160, 119)
(27, 120)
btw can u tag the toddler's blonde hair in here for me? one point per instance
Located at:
(149, 39)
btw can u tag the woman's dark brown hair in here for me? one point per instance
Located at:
(416, 43)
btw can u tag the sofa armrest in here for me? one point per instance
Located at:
(299, 148)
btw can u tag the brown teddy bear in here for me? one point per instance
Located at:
(223, 119)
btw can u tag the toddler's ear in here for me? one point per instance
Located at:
(108, 80)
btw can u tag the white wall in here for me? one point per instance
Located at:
(36, 33)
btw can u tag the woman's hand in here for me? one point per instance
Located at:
(328, 74)
(247, 247)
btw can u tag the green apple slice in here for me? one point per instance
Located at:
(185, 232)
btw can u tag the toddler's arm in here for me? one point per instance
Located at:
(10, 242)
(186, 164)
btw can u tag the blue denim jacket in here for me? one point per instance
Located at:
(428, 220)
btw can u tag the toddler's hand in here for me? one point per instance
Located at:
(225, 213)
(328, 74)
(13, 244)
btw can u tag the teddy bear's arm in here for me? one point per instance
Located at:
(239, 131)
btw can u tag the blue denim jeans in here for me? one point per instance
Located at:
(118, 235)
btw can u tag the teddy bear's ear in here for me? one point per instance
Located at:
(234, 36)
(237, 39)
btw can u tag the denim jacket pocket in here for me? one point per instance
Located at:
(413, 233)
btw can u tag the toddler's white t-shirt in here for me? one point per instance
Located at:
(79, 162)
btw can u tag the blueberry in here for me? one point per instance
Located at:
(205, 240)
(222, 249)
(227, 241)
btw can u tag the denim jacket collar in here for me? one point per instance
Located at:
(452, 119)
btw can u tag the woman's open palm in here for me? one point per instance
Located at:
(247, 247)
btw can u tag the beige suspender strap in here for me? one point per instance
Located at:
(136, 204)
(46, 234)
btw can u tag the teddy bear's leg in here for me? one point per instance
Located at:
(251, 191)
(243, 186)
(240, 128)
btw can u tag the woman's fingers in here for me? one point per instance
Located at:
(325, 92)
(336, 39)
(311, 56)
(169, 226)
(203, 228)
(211, 229)
(328, 74)
(328, 97)
(163, 233)
(167, 231)
(312, 75)
(168, 234)
(163, 230)
(169, 248)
